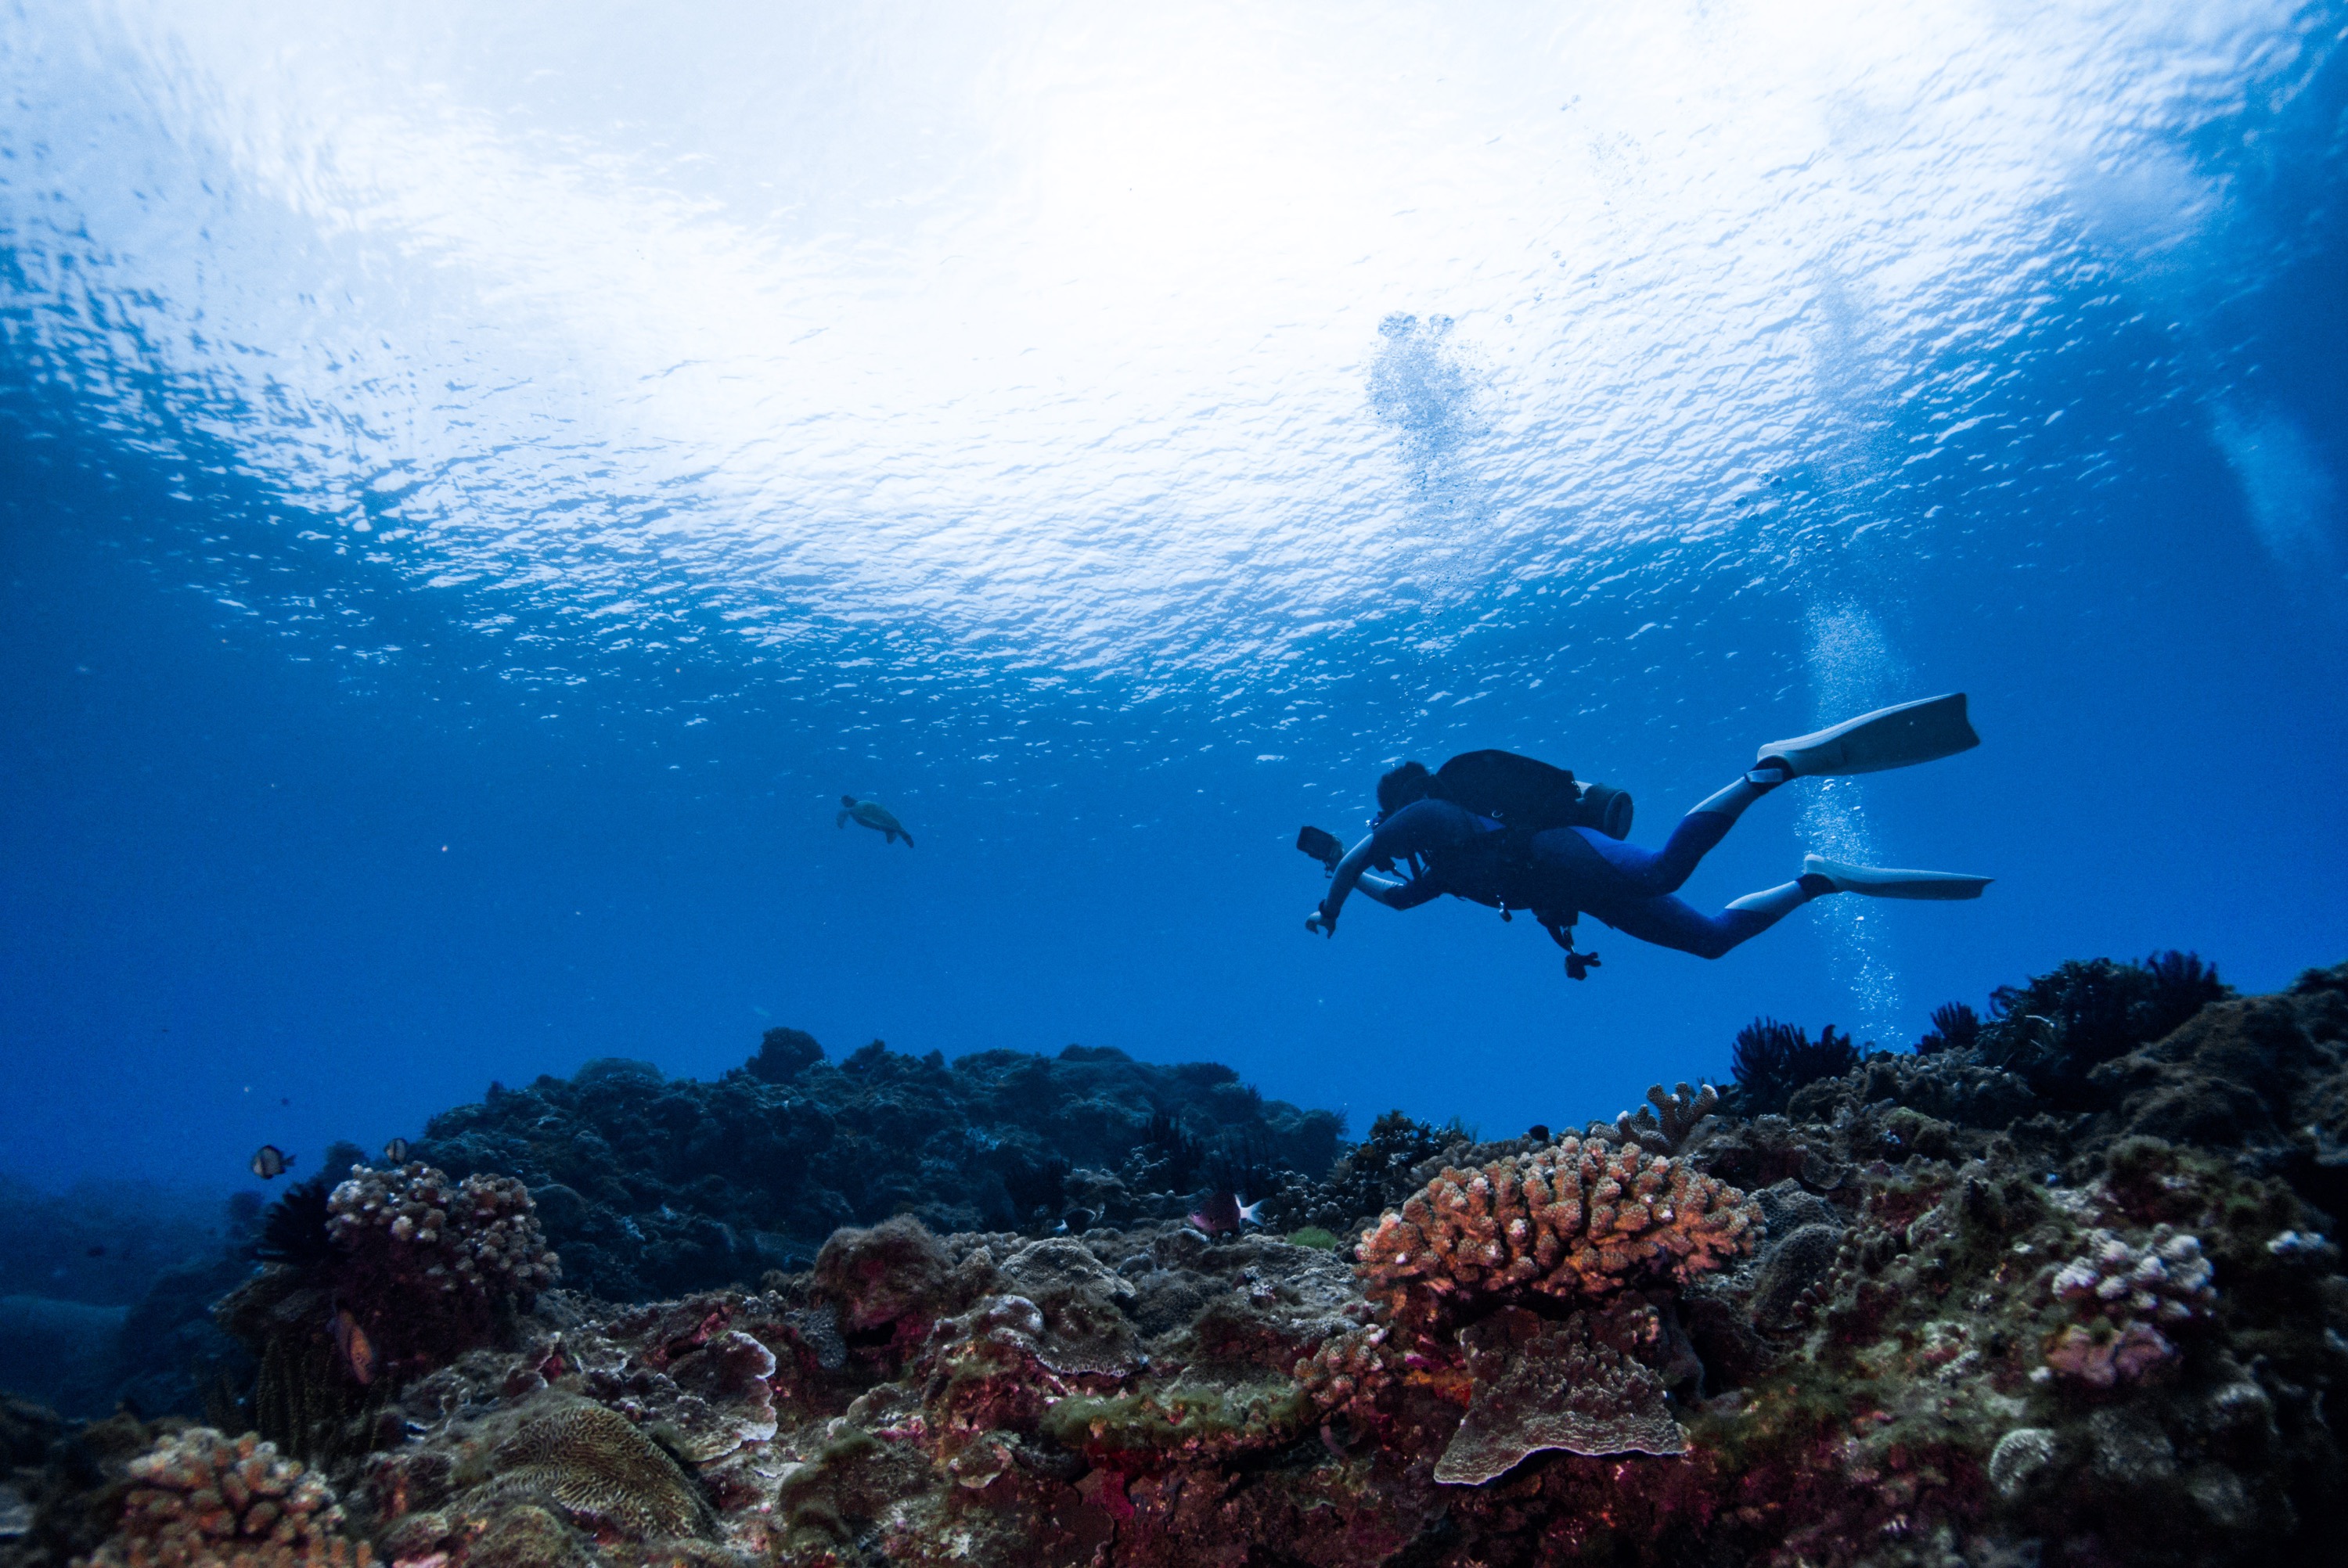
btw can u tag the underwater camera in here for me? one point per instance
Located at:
(1322, 847)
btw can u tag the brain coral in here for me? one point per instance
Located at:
(1579, 1219)
(594, 1462)
(199, 1499)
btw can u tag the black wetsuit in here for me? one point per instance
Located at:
(1564, 869)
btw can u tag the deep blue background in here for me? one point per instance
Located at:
(276, 876)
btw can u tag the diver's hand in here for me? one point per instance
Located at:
(1320, 923)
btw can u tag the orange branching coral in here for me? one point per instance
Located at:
(199, 1499)
(1579, 1219)
(1358, 1362)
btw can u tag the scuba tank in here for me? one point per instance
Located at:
(1530, 795)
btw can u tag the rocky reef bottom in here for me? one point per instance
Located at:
(1939, 1310)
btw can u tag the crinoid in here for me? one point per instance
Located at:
(294, 1229)
(1771, 1059)
(1955, 1027)
(1164, 1140)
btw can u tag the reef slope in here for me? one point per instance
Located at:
(2011, 1301)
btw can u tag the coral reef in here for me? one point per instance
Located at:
(1676, 1118)
(426, 1262)
(385, 1277)
(1953, 1306)
(1771, 1059)
(592, 1462)
(1580, 1219)
(649, 1186)
(199, 1499)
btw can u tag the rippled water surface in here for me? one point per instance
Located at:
(481, 484)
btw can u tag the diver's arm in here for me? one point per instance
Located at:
(1421, 827)
(1342, 881)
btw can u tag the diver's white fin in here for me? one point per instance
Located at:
(1884, 882)
(1895, 737)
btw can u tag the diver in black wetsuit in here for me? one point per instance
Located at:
(1555, 871)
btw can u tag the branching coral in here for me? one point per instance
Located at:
(2127, 1297)
(426, 1266)
(1580, 1219)
(1357, 1362)
(1682, 1112)
(199, 1499)
(479, 1234)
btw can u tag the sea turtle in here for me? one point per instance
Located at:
(874, 815)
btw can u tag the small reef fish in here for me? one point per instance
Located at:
(1223, 1214)
(874, 815)
(270, 1161)
(352, 1344)
(396, 1151)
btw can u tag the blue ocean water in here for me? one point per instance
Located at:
(477, 487)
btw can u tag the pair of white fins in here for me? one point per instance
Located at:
(1896, 737)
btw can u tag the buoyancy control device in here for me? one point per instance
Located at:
(1526, 795)
(1530, 796)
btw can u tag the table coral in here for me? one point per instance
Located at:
(1579, 1219)
(199, 1499)
(1561, 1386)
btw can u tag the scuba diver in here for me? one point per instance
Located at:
(1516, 834)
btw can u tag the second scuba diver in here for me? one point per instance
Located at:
(1516, 833)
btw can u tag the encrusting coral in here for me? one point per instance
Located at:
(1578, 1219)
(199, 1499)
